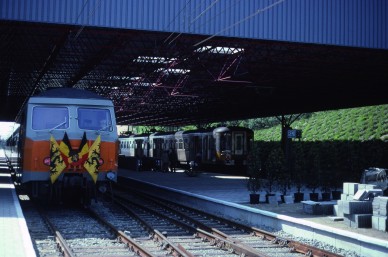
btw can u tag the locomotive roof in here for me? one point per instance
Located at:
(70, 93)
(70, 96)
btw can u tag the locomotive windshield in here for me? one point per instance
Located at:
(94, 119)
(50, 118)
(226, 142)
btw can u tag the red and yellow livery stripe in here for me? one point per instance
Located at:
(36, 151)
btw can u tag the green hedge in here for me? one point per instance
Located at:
(324, 165)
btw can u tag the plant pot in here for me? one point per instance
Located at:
(336, 195)
(326, 196)
(298, 197)
(314, 197)
(267, 197)
(287, 199)
(254, 198)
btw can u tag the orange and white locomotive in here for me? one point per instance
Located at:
(68, 144)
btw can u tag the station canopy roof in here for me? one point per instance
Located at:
(167, 79)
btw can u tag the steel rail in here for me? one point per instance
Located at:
(294, 246)
(135, 247)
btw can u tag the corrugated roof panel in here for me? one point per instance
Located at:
(347, 22)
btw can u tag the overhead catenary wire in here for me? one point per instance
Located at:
(258, 11)
(196, 18)
(91, 13)
(181, 10)
(82, 10)
(214, 17)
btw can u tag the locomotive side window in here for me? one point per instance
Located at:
(50, 118)
(94, 119)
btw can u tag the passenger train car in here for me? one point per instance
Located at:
(220, 147)
(68, 144)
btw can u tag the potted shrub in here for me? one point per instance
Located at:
(298, 173)
(337, 184)
(284, 182)
(326, 185)
(254, 173)
(274, 166)
(313, 180)
(254, 185)
(298, 182)
(327, 176)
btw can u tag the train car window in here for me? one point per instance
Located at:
(94, 119)
(50, 118)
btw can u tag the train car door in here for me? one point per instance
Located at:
(138, 148)
(158, 148)
(205, 148)
(197, 146)
(238, 145)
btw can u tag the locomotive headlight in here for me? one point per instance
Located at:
(102, 188)
(111, 176)
(47, 161)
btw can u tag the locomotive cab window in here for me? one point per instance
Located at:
(94, 119)
(50, 118)
(239, 143)
(226, 142)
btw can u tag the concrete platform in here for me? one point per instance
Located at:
(15, 239)
(231, 197)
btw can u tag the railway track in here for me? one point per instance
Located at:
(139, 226)
(76, 231)
(176, 237)
(226, 234)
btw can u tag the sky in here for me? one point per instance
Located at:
(6, 129)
